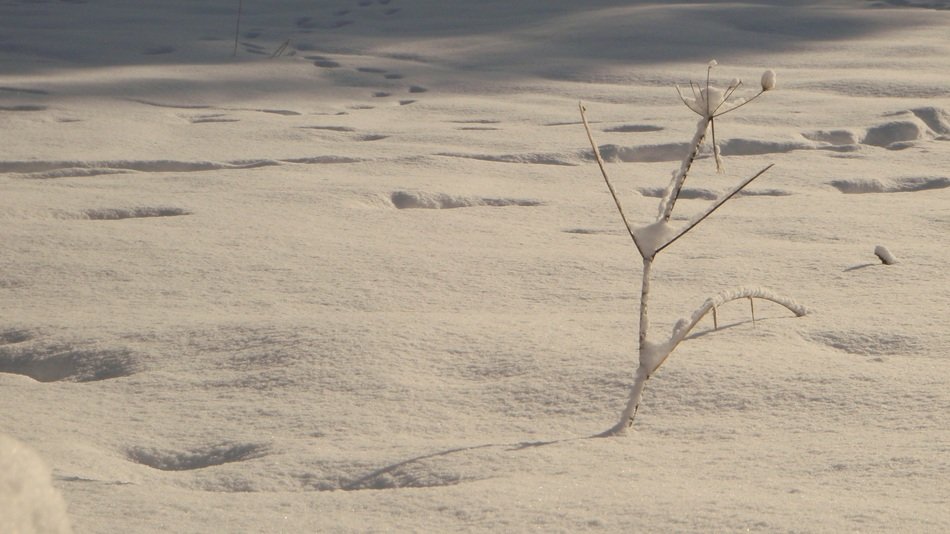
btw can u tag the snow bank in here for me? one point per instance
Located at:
(28, 502)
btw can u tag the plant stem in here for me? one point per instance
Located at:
(237, 27)
(643, 373)
(676, 185)
(603, 171)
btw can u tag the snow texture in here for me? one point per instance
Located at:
(374, 283)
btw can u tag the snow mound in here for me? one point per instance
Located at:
(421, 200)
(899, 185)
(685, 193)
(895, 134)
(200, 458)
(28, 502)
(753, 147)
(54, 363)
(936, 119)
(642, 154)
(833, 137)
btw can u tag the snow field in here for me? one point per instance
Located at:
(377, 283)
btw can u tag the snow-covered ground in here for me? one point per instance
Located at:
(376, 282)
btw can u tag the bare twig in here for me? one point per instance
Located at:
(237, 27)
(280, 49)
(716, 205)
(603, 171)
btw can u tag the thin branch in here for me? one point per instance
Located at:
(603, 171)
(668, 202)
(712, 303)
(683, 98)
(730, 110)
(722, 200)
(729, 92)
(237, 27)
(715, 146)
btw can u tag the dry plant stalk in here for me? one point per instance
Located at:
(709, 102)
(237, 27)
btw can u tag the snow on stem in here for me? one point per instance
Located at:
(679, 177)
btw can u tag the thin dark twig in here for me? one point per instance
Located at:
(729, 92)
(682, 98)
(715, 147)
(237, 27)
(712, 208)
(603, 171)
(730, 110)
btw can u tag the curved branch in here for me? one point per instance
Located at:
(685, 326)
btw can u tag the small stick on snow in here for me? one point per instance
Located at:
(280, 49)
(885, 255)
(716, 205)
(752, 307)
(715, 311)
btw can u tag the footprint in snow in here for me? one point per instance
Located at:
(68, 362)
(198, 458)
(899, 185)
(158, 50)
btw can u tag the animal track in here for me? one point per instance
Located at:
(23, 107)
(326, 63)
(158, 50)
(9, 337)
(707, 194)
(866, 343)
(216, 117)
(901, 185)
(419, 200)
(115, 214)
(54, 363)
(23, 90)
(64, 169)
(200, 458)
(330, 128)
(633, 128)
(535, 159)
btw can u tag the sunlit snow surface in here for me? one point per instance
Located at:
(376, 282)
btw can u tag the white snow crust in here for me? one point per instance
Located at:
(375, 282)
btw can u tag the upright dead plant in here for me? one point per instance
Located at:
(710, 103)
